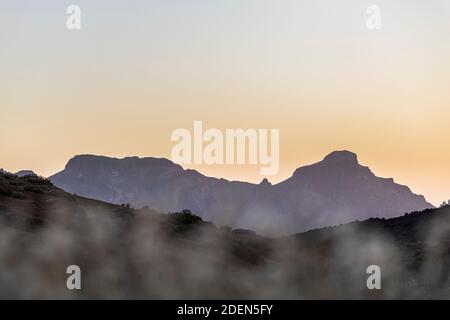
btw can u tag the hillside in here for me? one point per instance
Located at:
(129, 253)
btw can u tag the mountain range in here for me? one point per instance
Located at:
(333, 191)
(142, 254)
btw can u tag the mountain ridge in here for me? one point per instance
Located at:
(335, 190)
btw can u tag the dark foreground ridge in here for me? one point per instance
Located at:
(129, 253)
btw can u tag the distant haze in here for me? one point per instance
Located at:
(138, 70)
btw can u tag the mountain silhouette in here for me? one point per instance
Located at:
(150, 255)
(333, 191)
(24, 173)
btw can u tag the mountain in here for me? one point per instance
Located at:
(334, 191)
(24, 173)
(338, 190)
(125, 253)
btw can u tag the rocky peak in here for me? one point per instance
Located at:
(265, 182)
(341, 157)
(25, 173)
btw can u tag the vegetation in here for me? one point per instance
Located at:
(178, 255)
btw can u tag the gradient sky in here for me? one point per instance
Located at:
(137, 70)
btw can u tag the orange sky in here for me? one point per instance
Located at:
(135, 73)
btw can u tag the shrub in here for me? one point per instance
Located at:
(33, 189)
(184, 217)
(17, 195)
